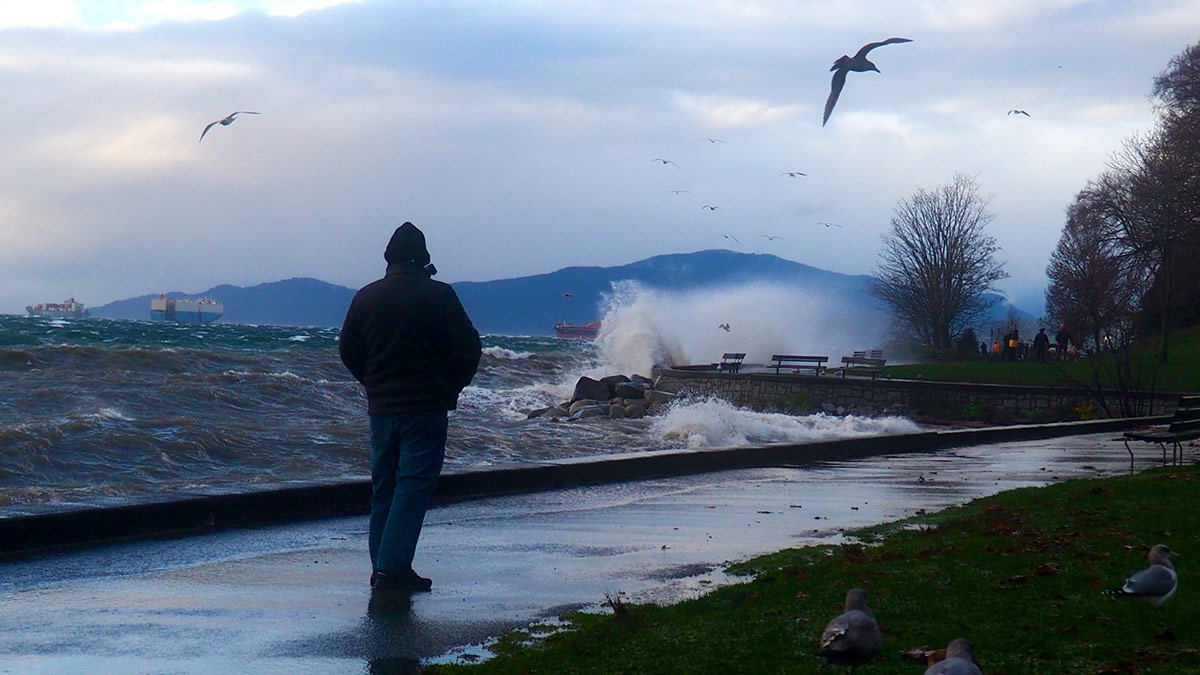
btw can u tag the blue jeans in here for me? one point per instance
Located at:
(406, 459)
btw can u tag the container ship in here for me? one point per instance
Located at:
(202, 310)
(67, 309)
(587, 331)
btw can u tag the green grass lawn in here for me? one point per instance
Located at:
(1181, 374)
(1020, 574)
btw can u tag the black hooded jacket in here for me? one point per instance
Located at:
(408, 340)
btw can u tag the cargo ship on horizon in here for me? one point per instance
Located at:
(201, 310)
(587, 331)
(67, 309)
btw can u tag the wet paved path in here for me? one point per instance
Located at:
(294, 598)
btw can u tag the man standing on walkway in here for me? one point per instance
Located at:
(409, 342)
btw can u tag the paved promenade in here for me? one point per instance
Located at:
(294, 597)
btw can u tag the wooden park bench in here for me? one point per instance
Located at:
(731, 362)
(861, 365)
(869, 354)
(798, 362)
(1184, 426)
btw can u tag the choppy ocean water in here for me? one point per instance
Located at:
(96, 409)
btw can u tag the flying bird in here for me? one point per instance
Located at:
(680, 192)
(664, 161)
(730, 236)
(714, 140)
(771, 238)
(1018, 112)
(724, 327)
(852, 637)
(793, 174)
(225, 122)
(859, 64)
(1155, 584)
(710, 207)
(829, 224)
(566, 295)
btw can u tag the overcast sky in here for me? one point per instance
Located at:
(520, 135)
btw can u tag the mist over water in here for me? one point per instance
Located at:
(644, 327)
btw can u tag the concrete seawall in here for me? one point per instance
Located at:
(46, 527)
(795, 393)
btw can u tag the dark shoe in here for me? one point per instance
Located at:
(401, 581)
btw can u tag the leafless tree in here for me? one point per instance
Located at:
(1096, 286)
(937, 263)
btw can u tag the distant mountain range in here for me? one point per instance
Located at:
(529, 305)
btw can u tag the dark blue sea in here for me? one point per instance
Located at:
(95, 410)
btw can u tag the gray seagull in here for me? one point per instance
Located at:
(793, 174)
(710, 207)
(225, 122)
(960, 660)
(852, 637)
(771, 237)
(829, 224)
(1155, 584)
(664, 161)
(859, 64)
(730, 236)
(714, 140)
(1018, 112)
(680, 192)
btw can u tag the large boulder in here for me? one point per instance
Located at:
(612, 381)
(588, 389)
(636, 390)
(589, 411)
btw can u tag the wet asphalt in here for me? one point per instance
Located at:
(295, 598)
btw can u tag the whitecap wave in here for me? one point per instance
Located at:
(502, 353)
(714, 423)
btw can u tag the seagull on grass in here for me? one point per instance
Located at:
(1155, 584)
(226, 121)
(852, 637)
(859, 64)
(960, 660)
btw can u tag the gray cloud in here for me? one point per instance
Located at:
(520, 135)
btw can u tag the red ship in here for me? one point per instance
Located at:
(587, 331)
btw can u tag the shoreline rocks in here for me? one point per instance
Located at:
(614, 396)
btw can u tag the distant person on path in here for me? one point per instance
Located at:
(983, 350)
(1062, 340)
(409, 342)
(1041, 345)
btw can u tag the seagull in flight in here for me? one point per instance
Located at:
(859, 64)
(714, 140)
(793, 174)
(680, 192)
(730, 236)
(829, 224)
(771, 238)
(724, 327)
(1018, 112)
(225, 122)
(664, 161)
(710, 207)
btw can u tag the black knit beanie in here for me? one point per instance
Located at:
(407, 243)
